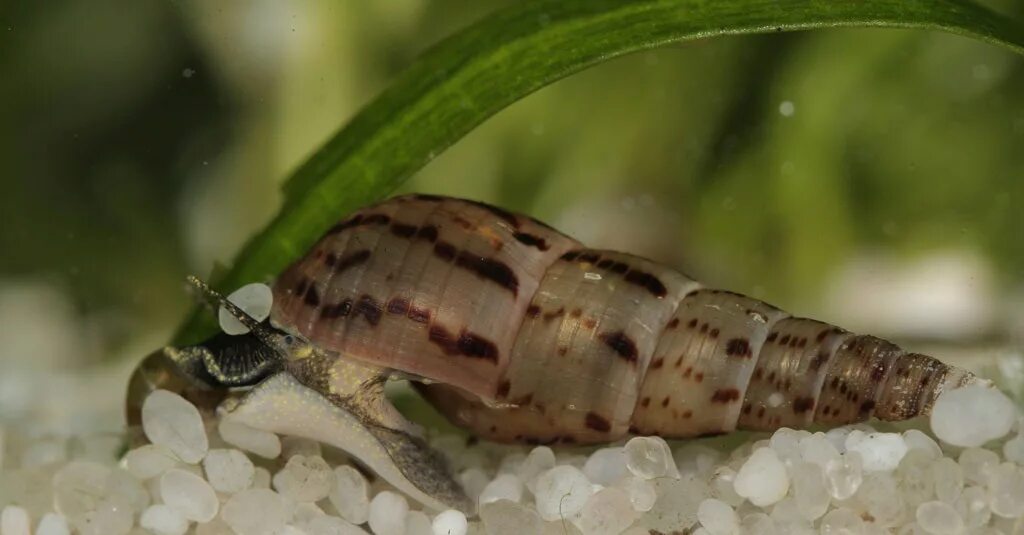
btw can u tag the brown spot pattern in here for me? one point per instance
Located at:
(398, 305)
(620, 343)
(725, 395)
(802, 405)
(370, 309)
(597, 422)
(738, 347)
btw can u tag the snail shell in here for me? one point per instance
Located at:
(522, 334)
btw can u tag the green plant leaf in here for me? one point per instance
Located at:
(470, 76)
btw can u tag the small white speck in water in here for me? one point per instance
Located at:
(786, 108)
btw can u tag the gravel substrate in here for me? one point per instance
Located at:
(219, 477)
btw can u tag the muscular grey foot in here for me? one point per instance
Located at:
(362, 427)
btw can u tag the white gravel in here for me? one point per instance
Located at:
(221, 478)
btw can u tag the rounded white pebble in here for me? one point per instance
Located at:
(948, 478)
(149, 461)
(762, 479)
(163, 520)
(718, 517)
(304, 479)
(79, 487)
(14, 521)
(255, 299)
(228, 470)
(939, 518)
(503, 487)
(561, 492)
(387, 513)
(256, 512)
(607, 512)
(189, 495)
(641, 492)
(977, 464)
(169, 420)
(818, 449)
(917, 440)
(973, 503)
(350, 495)
(844, 475)
(878, 451)
(1006, 490)
(650, 458)
(473, 481)
(508, 518)
(450, 522)
(972, 415)
(53, 524)
(262, 443)
(539, 460)
(809, 490)
(606, 466)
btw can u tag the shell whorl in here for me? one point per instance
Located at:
(526, 335)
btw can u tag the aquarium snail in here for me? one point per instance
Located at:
(519, 333)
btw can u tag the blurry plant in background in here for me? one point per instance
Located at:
(873, 178)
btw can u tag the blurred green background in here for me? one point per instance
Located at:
(874, 178)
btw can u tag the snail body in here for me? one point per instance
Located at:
(520, 333)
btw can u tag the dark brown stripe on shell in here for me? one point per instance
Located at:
(647, 281)
(445, 251)
(475, 346)
(597, 422)
(531, 240)
(490, 269)
(427, 232)
(351, 260)
(621, 344)
(403, 230)
(467, 344)
(369, 308)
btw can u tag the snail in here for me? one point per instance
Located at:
(518, 333)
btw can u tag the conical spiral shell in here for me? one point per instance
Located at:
(522, 334)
